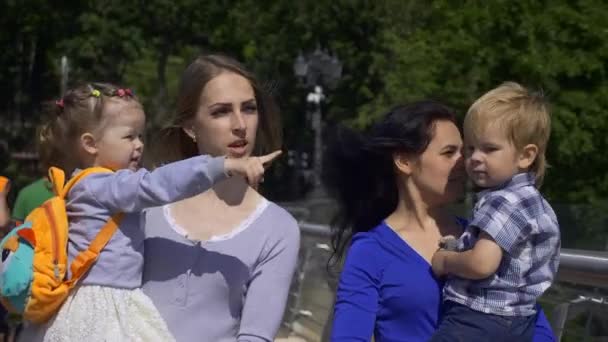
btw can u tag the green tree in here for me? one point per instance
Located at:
(108, 40)
(456, 52)
(393, 51)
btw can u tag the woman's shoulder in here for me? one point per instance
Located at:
(154, 222)
(367, 255)
(278, 220)
(279, 213)
(155, 213)
(373, 236)
(371, 241)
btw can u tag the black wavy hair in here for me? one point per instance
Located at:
(358, 168)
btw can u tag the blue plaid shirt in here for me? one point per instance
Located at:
(524, 225)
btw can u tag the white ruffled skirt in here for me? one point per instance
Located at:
(96, 313)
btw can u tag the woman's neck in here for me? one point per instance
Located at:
(414, 213)
(233, 192)
(217, 211)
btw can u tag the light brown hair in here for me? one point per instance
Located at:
(523, 116)
(174, 144)
(80, 110)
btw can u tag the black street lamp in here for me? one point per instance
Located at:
(317, 69)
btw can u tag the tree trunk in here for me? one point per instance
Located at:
(33, 81)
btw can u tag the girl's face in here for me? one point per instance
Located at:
(438, 173)
(226, 121)
(119, 144)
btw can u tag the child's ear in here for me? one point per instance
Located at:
(88, 143)
(403, 163)
(527, 156)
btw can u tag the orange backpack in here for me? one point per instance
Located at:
(34, 255)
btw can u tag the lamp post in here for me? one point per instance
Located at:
(317, 69)
(65, 69)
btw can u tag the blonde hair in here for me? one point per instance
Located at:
(80, 110)
(521, 114)
(174, 144)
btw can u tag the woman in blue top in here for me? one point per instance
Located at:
(393, 185)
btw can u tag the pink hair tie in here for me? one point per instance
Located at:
(124, 92)
(59, 103)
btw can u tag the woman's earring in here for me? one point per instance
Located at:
(193, 135)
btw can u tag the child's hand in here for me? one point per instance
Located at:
(448, 242)
(252, 168)
(438, 263)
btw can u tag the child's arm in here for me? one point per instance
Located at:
(479, 262)
(127, 191)
(502, 228)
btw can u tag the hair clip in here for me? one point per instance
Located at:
(59, 103)
(124, 92)
(95, 93)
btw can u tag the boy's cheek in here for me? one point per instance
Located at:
(468, 164)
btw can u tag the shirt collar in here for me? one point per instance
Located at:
(517, 181)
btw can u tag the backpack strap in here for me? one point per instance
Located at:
(57, 177)
(85, 259)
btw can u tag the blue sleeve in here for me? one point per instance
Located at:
(542, 330)
(358, 293)
(128, 191)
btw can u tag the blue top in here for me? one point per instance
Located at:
(523, 224)
(389, 290)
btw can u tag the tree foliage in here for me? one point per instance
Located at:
(393, 51)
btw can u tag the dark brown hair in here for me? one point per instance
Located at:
(359, 172)
(174, 144)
